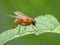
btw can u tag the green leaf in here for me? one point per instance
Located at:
(57, 30)
(46, 23)
(14, 33)
(8, 35)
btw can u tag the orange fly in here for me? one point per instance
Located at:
(22, 19)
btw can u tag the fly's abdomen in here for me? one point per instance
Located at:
(18, 21)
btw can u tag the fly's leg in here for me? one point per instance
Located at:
(35, 28)
(24, 28)
(19, 29)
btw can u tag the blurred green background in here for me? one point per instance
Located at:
(31, 8)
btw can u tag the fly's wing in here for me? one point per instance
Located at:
(13, 16)
(19, 14)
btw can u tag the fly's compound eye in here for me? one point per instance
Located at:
(33, 22)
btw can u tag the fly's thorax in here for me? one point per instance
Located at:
(28, 21)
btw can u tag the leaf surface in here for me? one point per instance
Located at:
(46, 23)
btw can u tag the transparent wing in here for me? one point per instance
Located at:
(13, 16)
(20, 14)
